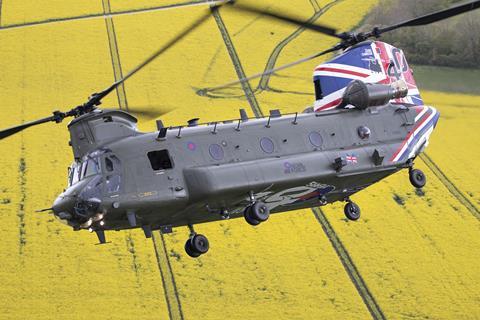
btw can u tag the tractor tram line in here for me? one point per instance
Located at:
(348, 264)
(0, 13)
(174, 305)
(450, 185)
(192, 3)
(339, 248)
(113, 45)
(272, 60)
(166, 273)
(161, 252)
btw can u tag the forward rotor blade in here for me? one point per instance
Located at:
(146, 111)
(8, 132)
(285, 66)
(156, 54)
(434, 17)
(292, 20)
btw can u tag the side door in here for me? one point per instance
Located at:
(112, 173)
(165, 175)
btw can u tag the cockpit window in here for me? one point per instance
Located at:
(78, 171)
(108, 164)
(91, 167)
(73, 177)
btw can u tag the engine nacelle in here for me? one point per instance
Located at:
(363, 95)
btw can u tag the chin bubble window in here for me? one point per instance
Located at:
(364, 132)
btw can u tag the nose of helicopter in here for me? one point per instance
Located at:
(63, 207)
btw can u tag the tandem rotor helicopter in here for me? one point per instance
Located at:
(368, 122)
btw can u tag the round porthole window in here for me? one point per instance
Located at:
(364, 132)
(216, 151)
(315, 139)
(267, 145)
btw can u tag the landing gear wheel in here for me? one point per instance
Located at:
(189, 250)
(352, 211)
(248, 217)
(417, 178)
(197, 245)
(259, 211)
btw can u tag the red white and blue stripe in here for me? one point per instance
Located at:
(417, 138)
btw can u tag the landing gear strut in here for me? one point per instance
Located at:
(197, 244)
(256, 213)
(417, 178)
(352, 210)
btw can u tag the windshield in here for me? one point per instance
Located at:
(79, 170)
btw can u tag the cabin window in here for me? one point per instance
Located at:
(160, 160)
(216, 151)
(315, 139)
(267, 145)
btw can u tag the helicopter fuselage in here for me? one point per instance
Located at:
(194, 174)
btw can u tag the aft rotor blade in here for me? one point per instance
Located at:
(10, 131)
(434, 17)
(155, 55)
(289, 19)
(285, 66)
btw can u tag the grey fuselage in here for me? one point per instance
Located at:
(288, 162)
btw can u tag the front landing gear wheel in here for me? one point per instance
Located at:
(352, 211)
(248, 217)
(417, 178)
(196, 245)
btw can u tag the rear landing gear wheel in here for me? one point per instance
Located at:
(352, 211)
(197, 245)
(417, 178)
(249, 219)
(259, 211)
(256, 213)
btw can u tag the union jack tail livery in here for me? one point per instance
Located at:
(370, 62)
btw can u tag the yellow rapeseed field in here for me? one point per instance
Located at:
(413, 254)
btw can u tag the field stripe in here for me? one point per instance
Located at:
(349, 266)
(22, 168)
(236, 63)
(272, 60)
(99, 15)
(117, 67)
(315, 5)
(169, 285)
(168, 278)
(449, 185)
(341, 251)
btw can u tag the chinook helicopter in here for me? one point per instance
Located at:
(368, 122)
